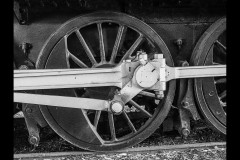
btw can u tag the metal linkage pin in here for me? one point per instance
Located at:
(159, 94)
(116, 107)
(142, 57)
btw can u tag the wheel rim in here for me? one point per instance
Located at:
(84, 128)
(211, 92)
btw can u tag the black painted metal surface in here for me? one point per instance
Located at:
(36, 21)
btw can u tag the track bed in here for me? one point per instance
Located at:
(51, 142)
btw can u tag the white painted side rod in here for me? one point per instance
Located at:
(66, 78)
(195, 72)
(61, 101)
(94, 77)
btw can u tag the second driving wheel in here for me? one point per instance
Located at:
(211, 92)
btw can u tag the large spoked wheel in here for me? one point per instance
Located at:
(211, 92)
(104, 39)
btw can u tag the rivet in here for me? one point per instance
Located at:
(211, 93)
(218, 113)
(28, 110)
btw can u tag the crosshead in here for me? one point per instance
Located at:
(131, 77)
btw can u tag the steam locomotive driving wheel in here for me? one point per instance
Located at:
(103, 40)
(211, 92)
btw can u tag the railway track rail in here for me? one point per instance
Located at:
(121, 152)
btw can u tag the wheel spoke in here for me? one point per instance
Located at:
(148, 94)
(221, 80)
(221, 45)
(221, 51)
(111, 125)
(96, 119)
(101, 43)
(118, 41)
(129, 122)
(66, 51)
(133, 47)
(77, 61)
(90, 131)
(86, 47)
(140, 108)
(223, 94)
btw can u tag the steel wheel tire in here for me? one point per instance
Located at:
(211, 50)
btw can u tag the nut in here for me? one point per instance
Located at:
(185, 132)
(142, 61)
(158, 56)
(33, 140)
(23, 67)
(143, 56)
(28, 110)
(159, 94)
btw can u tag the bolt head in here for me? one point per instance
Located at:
(159, 94)
(185, 63)
(23, 67)
(142, 61)
(185, 104)
(179, 42)
(143, 56)
(28, 110)
(33, 140)
(158, 56)
(211, 93)
(185, 132)
(22, 22)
